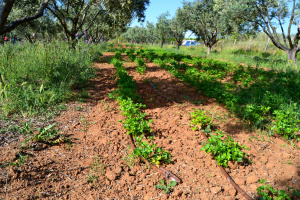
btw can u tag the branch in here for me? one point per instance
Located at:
(4, 12)
(16, 23)
(92, 21)
(283, 35)
(63, 23)
(290, 24)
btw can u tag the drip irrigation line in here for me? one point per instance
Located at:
(229, 179)
(164, 172)
(161, 94)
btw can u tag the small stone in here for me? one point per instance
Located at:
(251, 179)
(232, 192)
(111, 176)
(118, 171)
(240, 181)
(177, 193)
(148, 197)
(216, 189)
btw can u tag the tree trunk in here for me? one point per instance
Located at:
(73, 41)
(208, 50)
(178, 45)
(161, 44)
(292, 54)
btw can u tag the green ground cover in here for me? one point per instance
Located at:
(37, 77)
(265, 99)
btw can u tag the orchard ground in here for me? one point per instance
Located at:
(95, 163)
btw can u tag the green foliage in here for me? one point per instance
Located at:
(36, 77)
(286, 121)
(259, 97)
(167, 189)
(118, 55)
(134, 120)
(151, 152)
(267, 192)
(223, 150)
(200, 120)
(20, 161)
(141, 68)
(48, 135)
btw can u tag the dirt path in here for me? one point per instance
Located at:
(96, 164)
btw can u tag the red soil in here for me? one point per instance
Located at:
(99, 149)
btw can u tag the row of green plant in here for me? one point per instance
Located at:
(141, 68)
(224, 149)
(36, 77)
(274, 59)
(135, 123)
(266, 99)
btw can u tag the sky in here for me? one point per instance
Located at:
(157, 7)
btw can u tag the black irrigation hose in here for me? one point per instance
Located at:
(229, 179)
(160, 93)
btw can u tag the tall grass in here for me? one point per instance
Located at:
(35, 77)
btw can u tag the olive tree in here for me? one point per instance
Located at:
(80, 15)
(177, 27)
(135, 34)
(162, 28)
(270, 16)
(206, 21)
(150, 33)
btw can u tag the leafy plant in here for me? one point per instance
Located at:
(267, 192)
(287, 121)
(117, 54)
(141, 65)
(167, 188)
(48, 135)
(151, 152)
(200, 120)
(135, 121)
(223, 150)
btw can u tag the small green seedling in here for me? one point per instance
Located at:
(200, 120)
(167, 189)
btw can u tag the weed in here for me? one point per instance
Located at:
(96, 170)
(129, 160)
(167, 188)
(48, 135)
(20, 161)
